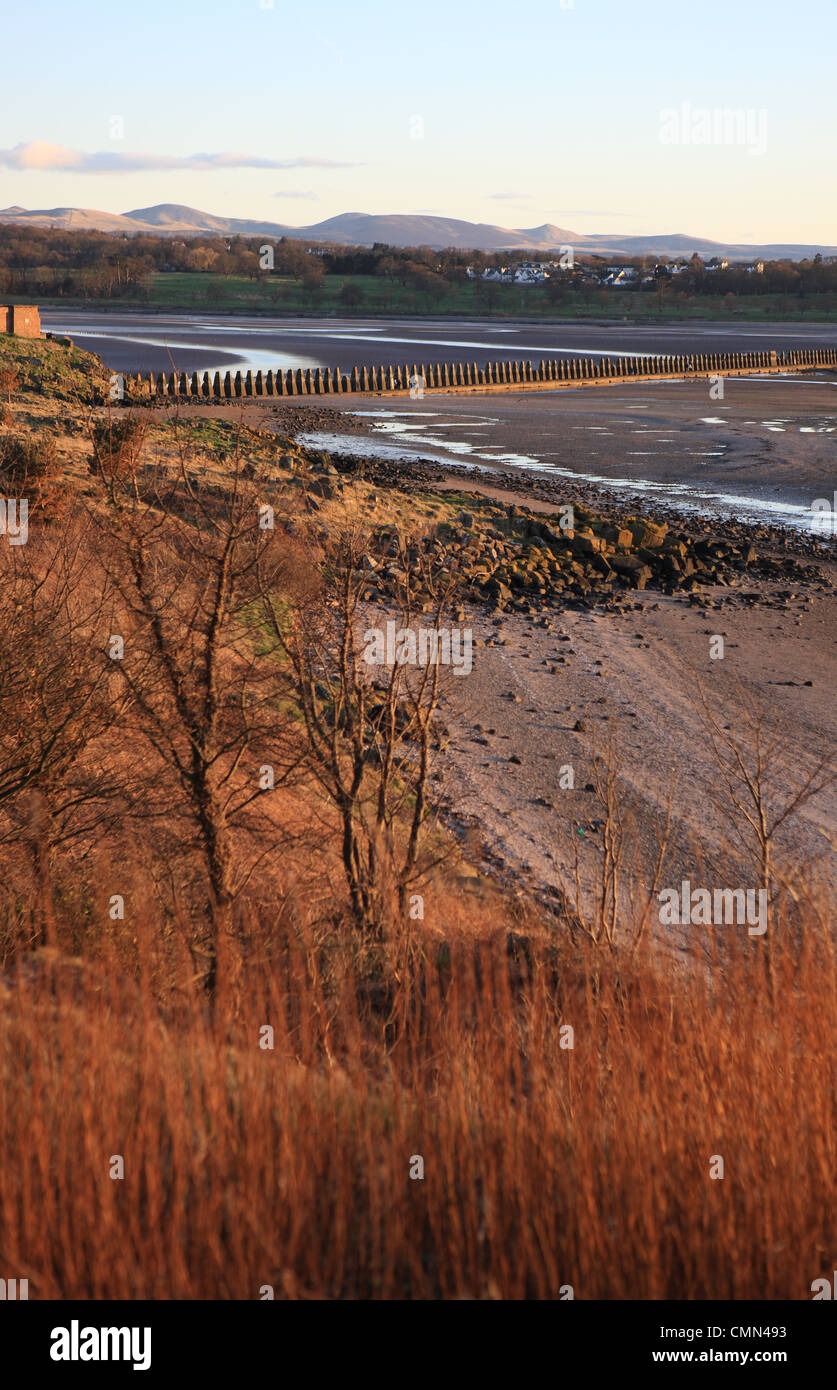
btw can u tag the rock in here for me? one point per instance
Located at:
(579, 727)
(647, 533)
(322, 487)
(618, 535)
(586, 543)
(633, 568)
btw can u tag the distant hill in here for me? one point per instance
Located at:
(396, 229)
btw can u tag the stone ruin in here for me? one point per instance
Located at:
(21, 319)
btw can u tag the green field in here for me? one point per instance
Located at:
(376, 295)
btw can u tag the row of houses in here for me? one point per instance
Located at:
(617, 277)
(524, 273)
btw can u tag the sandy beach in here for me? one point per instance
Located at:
(637, 676)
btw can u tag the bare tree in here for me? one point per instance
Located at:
(55, 698)
(763, 792)
(370, 726)
(184, 560)
(608, 922)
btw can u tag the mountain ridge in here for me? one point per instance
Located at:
(401, 230)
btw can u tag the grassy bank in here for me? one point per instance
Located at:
(362, 295)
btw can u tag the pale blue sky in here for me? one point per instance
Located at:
(530, 114)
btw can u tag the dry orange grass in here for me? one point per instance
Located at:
(543, 1166)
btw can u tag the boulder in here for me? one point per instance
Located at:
(647, 533)
(618, 535)
(586, 543)
(632, 568)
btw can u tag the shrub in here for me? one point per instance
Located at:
(117, 445)
(25, 459)
(351, 296)
(29, 467)
(9, 381)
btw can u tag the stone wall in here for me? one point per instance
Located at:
(22, 319)
(422, 378)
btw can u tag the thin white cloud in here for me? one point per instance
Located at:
(39, 155)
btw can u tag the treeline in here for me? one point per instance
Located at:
(42, 261)
(801, 278)
(50, 263)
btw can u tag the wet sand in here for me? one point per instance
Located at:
(765, 453)
(143, 341)
(769, 438)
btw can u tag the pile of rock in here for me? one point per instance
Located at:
(512, 559)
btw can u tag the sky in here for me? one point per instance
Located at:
(594, 115)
